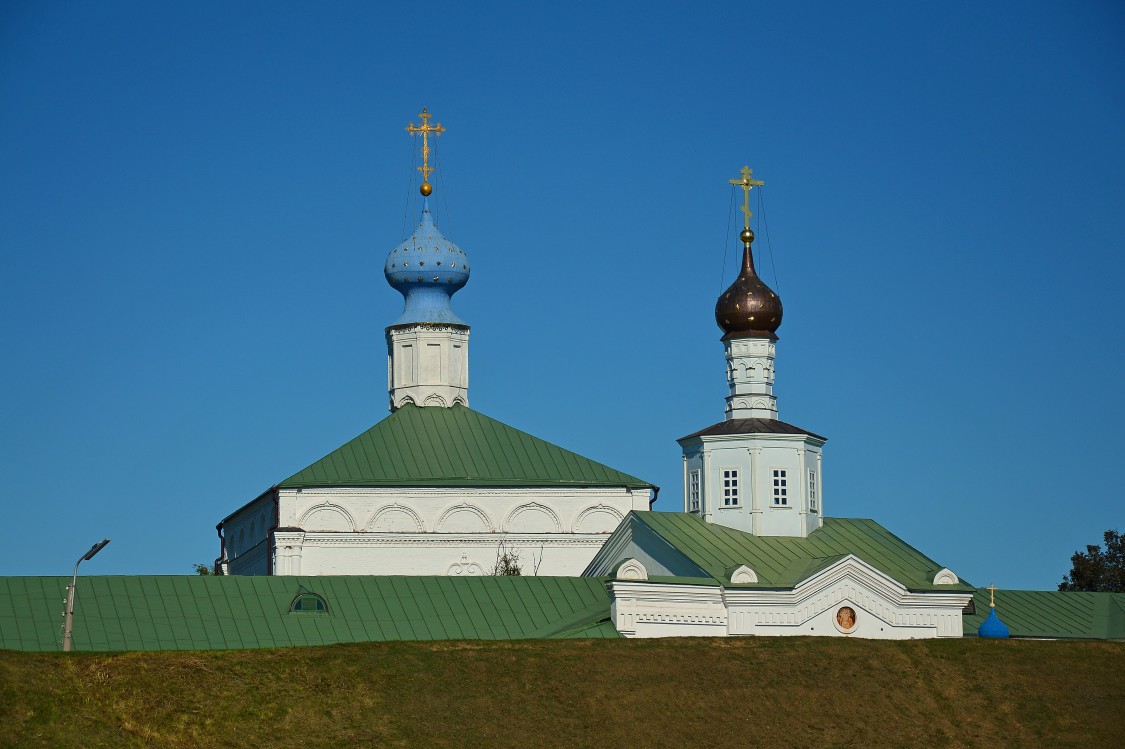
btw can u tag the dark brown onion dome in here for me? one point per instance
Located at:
(748, 308)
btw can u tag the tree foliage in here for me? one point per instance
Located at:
(203, 569)
(1097, 569)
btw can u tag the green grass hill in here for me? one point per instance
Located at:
(777, 692)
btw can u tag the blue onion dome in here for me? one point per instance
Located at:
(748, 308)
(992, 627)
(427, 269)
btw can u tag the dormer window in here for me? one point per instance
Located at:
(693, 491)
(308, 603)
(812, 490)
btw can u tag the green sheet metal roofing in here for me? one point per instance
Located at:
(1053, 614)
(456, 446)
(213, 613)
(784, 562)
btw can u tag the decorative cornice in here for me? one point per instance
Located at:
(360, 538)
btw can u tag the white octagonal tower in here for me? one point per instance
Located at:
(752, 471)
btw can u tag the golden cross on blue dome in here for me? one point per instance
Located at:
(425, 129)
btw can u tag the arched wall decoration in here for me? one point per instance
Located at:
(597, 510)
(743, 576)
(464, 507)
(395, 508)
(459, 401)
(631, 569)
(326, 509)
(435, 400)
(465, 568)
(946, 576)
(528, 509)
(404, 400)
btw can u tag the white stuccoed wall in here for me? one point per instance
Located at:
(885, 610)
(750, 378)
(755, 456)
(245, 536)
(428, 364)
(437, 531)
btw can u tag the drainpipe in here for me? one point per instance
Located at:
(218, 570)
(655, 494)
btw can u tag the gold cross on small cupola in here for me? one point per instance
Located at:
(425, 129)
(992, 595)
(747, 184)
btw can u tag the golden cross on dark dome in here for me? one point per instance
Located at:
(425, 129)
(746, 184)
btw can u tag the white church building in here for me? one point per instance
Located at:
(752, 553)
(436, 488)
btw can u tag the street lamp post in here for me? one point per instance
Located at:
(68, 627)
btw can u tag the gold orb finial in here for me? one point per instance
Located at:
(426, 189)
(747, 236)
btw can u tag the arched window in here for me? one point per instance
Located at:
(308, 603)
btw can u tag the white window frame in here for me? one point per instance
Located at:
(731, 494)
(814, 505)
(693, 490)
(780, 491)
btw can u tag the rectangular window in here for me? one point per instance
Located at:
(693, 491)
(780, 488)
(812, 490)
(730, 487)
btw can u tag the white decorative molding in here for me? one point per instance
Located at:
(750, 377)
(327, 508)
(464, 507)
(380, 539)
(945, 576)
(743, 576)
(465, 568)
(880, 607)
(533, 508)
(428, 365)
(599, 509)
(396, 509)
(631, 569)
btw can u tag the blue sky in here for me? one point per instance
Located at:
(196, 200)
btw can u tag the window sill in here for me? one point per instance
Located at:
(730, 507)
(781, 507)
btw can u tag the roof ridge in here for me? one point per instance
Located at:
(457, 446)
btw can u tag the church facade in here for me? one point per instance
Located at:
(436, 488)
(752, 553)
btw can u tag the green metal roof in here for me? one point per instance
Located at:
(782, 562)
(1053, 614)
(456, 446)
(206, 613)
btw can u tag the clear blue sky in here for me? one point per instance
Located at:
(196, 200)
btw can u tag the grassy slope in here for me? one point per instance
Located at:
(705, 693)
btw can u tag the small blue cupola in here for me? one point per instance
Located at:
(992, 627)
(427, 269)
